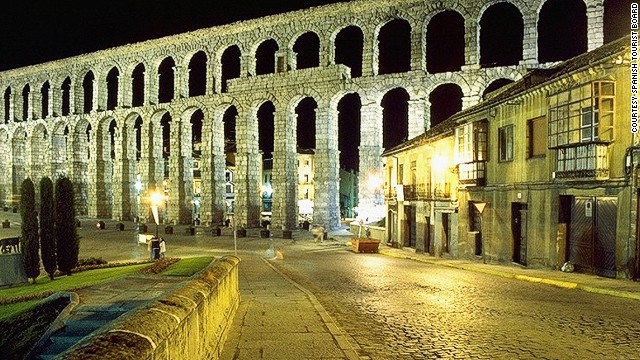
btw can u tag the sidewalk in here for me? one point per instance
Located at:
(279, 320)
(585, 282)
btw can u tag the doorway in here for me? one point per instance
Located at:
(519, 232)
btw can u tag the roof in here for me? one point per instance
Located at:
(533, 79)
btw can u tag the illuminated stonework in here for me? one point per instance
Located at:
(67, 116)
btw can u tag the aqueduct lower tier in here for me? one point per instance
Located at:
(99, 118)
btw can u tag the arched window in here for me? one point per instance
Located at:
(87, 87)
(266, 57)
(395, 117)
(445, 42)
(562, 30)
(137, 86)
(229, 120)
(501, 35)
(446, 100)
(198, 74)
(113, 127)
(166, 80)
(138, 131)
(348, 47)
(112, 88)
(230, 65)
(307, 49)
(394, 47)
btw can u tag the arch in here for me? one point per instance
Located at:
(44, 96)
(5, 167)
(349, 129)
(349, 45)
(229, 119)
(198, 74)
(66, 96)
(137, 85)
(87, 86)
(166, 80)
(446, 100)
(495, 85)
(614, 10)
(59, 149)
(26, 94)
(266, 57)
(395, 117)
(230, 65)
(38, 152)
(112, 88)
(445, 42)
(266, 127)
(165, 123)
(7, 105)
(80, 176)
(18, 148)
(501, 35)
(306, 123)
(394, 47)
(562, 30)
(307, 49)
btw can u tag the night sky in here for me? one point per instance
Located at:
(43, 30)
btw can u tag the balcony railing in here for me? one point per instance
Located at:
(419, 192)
(583, 161)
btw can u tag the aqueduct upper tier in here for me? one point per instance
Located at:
(108, 118)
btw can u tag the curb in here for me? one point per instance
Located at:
(545, 281)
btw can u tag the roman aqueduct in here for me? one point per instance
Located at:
(98, 118)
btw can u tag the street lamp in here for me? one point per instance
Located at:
(156, 200)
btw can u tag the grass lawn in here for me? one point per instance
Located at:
(44, 286)
(188, 266)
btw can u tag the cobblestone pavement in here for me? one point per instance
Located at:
(401, 309)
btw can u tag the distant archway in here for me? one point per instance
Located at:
(562, 30)
(395, 117)
(446, 100)
(394, 47)
(501, 35)
(445, 42)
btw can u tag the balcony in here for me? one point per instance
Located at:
(583, 161)
(410, 192)
(472, 173)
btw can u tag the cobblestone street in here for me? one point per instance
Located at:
(401, 309)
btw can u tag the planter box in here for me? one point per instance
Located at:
(365, 245)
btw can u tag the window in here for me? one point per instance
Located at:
(537, 137)
(400, 174)
(471, 142)
(582, 114)
(505, 143)
(414, 179)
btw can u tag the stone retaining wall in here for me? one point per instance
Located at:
(190, 323)
(11, 269)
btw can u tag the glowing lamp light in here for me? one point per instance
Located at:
(375, 182)
(155, 198)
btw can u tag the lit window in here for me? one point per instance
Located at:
(505, 143)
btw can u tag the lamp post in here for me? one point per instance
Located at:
(156, 199)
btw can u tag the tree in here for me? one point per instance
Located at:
(66, 235)
(29, 231)
(47, 236)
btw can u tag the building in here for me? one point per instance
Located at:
(542, 172)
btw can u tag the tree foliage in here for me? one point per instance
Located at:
(47, 238)
(29, 231)
(66, 235)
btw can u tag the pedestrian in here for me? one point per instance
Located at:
(155, 248)
(163, 248)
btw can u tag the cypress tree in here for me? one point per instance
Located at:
(66, 236)
(29, 230)
(47, 238)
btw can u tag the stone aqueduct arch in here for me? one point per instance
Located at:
(77, 144)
